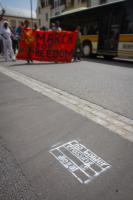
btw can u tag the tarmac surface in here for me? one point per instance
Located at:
(105, 83)
(31, 125)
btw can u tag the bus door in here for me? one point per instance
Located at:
(109, 30)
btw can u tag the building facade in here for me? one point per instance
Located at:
(15, 16)
(72, 4)
(99, 2)
(43, 12)
(47, 8)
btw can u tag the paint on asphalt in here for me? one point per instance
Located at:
(80, 161)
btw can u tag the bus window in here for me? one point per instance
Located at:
(85, 30)
(130, 24)
(90, 29)
(127, 27)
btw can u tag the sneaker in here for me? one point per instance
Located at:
(74, 60)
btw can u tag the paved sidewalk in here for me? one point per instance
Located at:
(13, 183)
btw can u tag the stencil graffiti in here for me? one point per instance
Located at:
(80, 161)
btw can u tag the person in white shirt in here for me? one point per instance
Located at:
(7, 42)
(1, 23)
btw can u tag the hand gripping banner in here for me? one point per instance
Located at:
(57, 46)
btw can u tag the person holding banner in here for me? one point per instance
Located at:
(52, 27)
(35, 27)
(28, 38)
(57, 26)
(1, 23)
(77, 51)
(19, 30)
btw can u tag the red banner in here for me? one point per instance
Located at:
(55, 46)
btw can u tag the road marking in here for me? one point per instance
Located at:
(80, 161)
(119, 124)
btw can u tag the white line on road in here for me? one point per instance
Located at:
(112, 121)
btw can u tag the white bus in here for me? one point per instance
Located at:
(107, 29)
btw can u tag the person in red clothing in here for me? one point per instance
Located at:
(27, 36)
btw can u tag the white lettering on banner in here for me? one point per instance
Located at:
(80, 161)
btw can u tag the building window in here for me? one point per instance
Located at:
(127, 23)
(39, 22)
(103, 1)
(39, 10)
(42, 3)
(46, 2)
(56, 4)
(72, 3)
(46, 16)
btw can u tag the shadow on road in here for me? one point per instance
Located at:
(114, 62)
(36, 63)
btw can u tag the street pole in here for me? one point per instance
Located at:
(31, 13)
(2, 11)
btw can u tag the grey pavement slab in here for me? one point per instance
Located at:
(105, 83)
(31, 124)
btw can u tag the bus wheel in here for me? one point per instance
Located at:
(87, 50)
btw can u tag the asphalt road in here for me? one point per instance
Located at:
(31, 125)
(106, 83)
